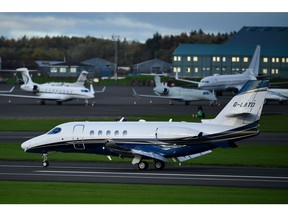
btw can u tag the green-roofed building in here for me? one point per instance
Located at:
(200, 60)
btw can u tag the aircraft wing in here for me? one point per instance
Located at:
(188, 81)
(101, 91)
(44, 97)
(184, 80)
(8, 91)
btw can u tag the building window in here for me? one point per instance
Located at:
(195, 59)
(63, 70)
(265, 71)
(176, 69)
(196, 69)
(188, 70)
(223, 59)
(265, 59)
(216, 59)
(245, 59)
(73, 70)
(188, 58)
(275, 60)
(178, 58)
(53, 70)
(235, 59)
(274, 71)
(175, 58)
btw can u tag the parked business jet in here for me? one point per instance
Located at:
(280, 95)
(232, 82)
(58, 93)
(158, 141)
(178, 93)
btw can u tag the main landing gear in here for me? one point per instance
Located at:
(45, 162)
(143, 165)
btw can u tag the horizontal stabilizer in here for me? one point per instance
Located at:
(188, 157)
(149, 154)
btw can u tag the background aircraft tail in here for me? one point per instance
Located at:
(253, 68)
(25, 76)
(244, 108)
(81, 79)
(157, 81)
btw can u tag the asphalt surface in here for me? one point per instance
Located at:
(117, 102)
(114, 102)
(128, 174)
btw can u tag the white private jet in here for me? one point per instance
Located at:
(232, 82)
(55, 92)
(158, 141)
(178, 93)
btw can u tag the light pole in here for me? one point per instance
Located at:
(116, 39)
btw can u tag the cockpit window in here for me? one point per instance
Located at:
(84, 90)
(206, 93)
(55, 130)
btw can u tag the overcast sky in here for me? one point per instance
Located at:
(138, 25)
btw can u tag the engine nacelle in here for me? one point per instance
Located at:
(35, 89)
(174, 133)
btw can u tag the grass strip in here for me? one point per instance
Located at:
(91, 193)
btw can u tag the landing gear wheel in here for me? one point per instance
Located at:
(143, 165)
(159, 165)
(45, 164)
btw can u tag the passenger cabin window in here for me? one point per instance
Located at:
(100, 133)
(108, 133)
(116, 133)
(125, 133)
(55, 131)
(92, 133)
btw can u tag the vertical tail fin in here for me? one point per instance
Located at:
(244, 108)
(157, 81)
(25, 76)
(81, 79)
(253, 68)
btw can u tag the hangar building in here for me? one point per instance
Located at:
(200, 60)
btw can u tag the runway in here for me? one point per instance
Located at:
(128, 174)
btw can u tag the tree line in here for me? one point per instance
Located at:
(24, 51)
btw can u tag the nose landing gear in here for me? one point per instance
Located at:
(45, 162)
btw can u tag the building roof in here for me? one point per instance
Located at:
(273, 42)
(97, 62)
(230, 50)
(153, 62)
(261, 35)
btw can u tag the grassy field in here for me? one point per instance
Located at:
(77, 193)
(268, 123)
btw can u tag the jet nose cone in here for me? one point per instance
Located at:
(25, 145)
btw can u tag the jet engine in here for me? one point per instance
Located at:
(35, 89)
(165, 91)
